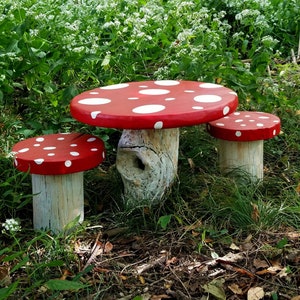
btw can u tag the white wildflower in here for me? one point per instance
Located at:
(11, 225)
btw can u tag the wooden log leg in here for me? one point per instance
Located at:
(57, 200)
(247, 156)
(147, 161)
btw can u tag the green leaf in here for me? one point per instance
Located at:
(64, 285)
(163, 221)
(6, 292)
(216, 289)
(22, 263)
(282, 243)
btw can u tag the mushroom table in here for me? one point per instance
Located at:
(150, 114)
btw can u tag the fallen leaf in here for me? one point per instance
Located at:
(283, 273)
(108, 247)
(235, 289)
(159, 297)
(260, 264)
(296, 298)
(234, 247)
(191, 163)
(141, 279)
(171, 261)
(65, 274)
(255, 212)
(5, 278)
(298, 188)
(255, 293)
(215, 288)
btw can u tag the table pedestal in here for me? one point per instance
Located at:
(147, 161)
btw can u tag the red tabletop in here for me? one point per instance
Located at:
(153, 104)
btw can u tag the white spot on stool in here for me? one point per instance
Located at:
(115, 86)
(158, 125)
(68, 163)
(23, 150)
(148, 109)
(226, 110)
(166, 82)
(238, 133)
(73, 153)
(94, 114)
(39, 161)
(40, 139)
(91, 139)
(94, 101)
(207, 98)
(154, 92)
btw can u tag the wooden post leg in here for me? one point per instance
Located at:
(57, 200)
(147, 161)
(248, 156)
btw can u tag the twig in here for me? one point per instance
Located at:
(94, 251)
(93, 255)
(140, 269)
(183, 285)
(298, 55)
(294, 60)
(269, 71)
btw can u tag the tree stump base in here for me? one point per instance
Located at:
(147, 161)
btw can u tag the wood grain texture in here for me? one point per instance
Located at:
(57, 200)
(247, 156)
(147, 161)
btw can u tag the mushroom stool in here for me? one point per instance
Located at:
(241, 137)
(57, 162)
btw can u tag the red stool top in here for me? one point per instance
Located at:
(57, 154)
(245, 126)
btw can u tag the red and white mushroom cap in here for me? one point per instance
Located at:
(245, 126)
(153, 104)
(57, 154)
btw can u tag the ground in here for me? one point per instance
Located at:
(184, 265)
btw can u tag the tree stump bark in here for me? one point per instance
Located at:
(147, 161)
(247, 156)
(57, 200)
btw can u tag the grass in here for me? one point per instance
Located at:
(51, 51)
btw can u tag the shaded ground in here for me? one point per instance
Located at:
(265, 266)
